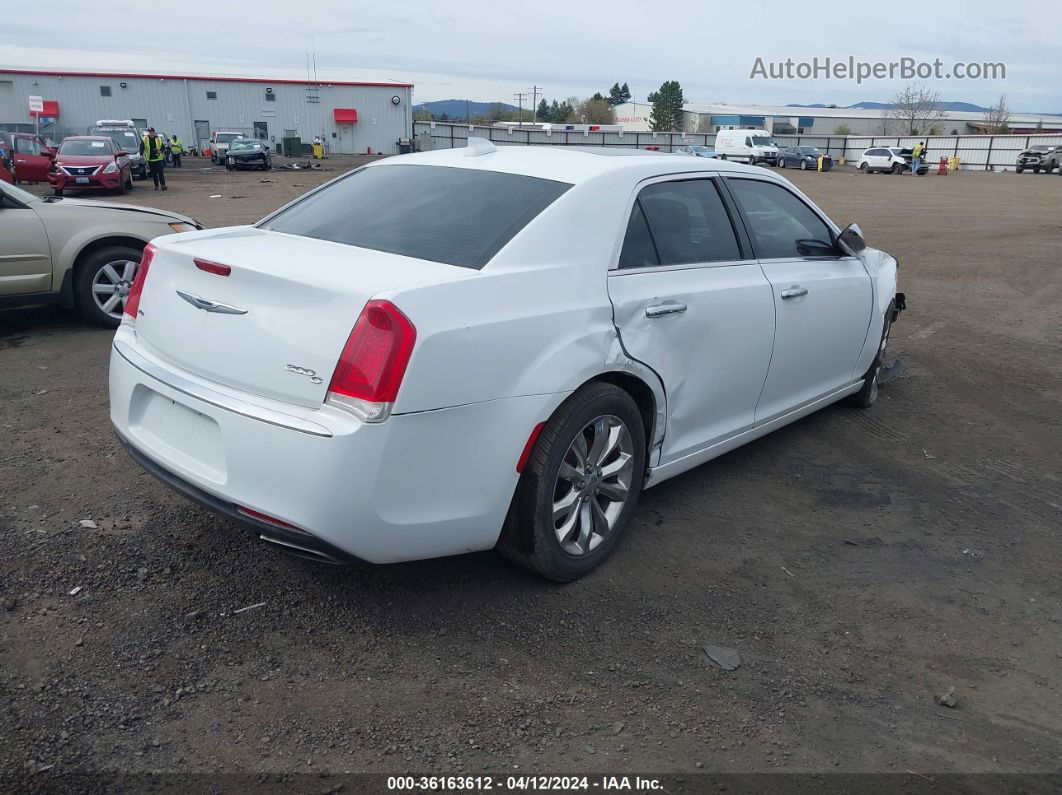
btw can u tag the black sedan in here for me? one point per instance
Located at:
(804, 157)
(248, 153)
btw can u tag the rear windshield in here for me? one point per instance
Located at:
(457, 216)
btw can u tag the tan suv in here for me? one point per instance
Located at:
(78, 253)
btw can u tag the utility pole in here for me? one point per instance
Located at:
(534, 101)
(520, 97)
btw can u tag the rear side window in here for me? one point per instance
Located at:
(689, 222)
(457, 216)
(638, 249)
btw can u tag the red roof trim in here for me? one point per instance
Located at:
(59, 73)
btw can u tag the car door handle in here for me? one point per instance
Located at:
(670, 308)
(794, 292)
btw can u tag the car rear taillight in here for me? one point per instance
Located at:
(373, 362)
(132, 301)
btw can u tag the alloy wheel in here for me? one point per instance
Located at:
(593, 484)
(111, 284)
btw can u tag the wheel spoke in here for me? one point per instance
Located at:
(104, 289)
(586, 527)
(616, 492)
(579, 449)
(111, 303)
(600, 443)
(601, 525)
(569, 473)
(129, 271)
(620, 465)
(568, 527)
(563, 507)
(111, 273)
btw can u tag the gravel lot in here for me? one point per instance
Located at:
(859, 562)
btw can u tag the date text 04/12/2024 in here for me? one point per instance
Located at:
(521, 783)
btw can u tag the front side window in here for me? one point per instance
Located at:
(457, 216)
(27, 146)
(781, 224)
(687, 222)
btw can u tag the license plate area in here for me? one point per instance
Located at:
(81, 180)
(176, 433)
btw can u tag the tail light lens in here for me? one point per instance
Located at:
(373, 362)
(132, 302)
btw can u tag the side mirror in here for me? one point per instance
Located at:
(851, 240)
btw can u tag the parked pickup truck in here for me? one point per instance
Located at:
(1042, 157)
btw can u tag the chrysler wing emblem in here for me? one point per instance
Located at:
(210, 306)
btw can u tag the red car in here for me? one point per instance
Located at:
(31, 157)
(92, 162)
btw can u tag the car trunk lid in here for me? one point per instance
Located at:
(276, 324)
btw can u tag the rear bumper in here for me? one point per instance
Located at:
(416, 486)
(302, 544)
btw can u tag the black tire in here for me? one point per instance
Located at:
(865, 168)
(529, 538)
(57, 191)
(129, 182)
(868, 394)
(1036, 169)
(803, 165)
(897, 168)
(781, 162)
(120, 190)
(1019, 169)
(85, 274)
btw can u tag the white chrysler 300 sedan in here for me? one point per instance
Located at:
(457, 350)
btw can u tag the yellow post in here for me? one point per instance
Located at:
(318, 151)
(953, 163)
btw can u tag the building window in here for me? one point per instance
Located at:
(212, 95)
(105, 91)
(271, 97)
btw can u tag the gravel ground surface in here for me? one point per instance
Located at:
(860, 563)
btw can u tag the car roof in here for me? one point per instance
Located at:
(571, 164)
(87, 138)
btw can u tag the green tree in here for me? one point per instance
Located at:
(543, 110)
(618, 94)
(842, 129)
(444, 117)
(556, 115)
(595, 110)
(667, 104)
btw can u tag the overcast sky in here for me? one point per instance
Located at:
(490, 50)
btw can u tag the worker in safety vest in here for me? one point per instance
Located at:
(155, 157)
(176, 150)
(918, 153)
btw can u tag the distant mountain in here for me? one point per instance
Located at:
(965, 107)
(458, 108)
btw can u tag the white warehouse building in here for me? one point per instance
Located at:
(791, 120)
(351, 116)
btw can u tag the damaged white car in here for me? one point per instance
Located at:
(457, 350)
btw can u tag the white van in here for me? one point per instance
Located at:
(751, 146)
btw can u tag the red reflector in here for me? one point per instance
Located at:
(132, 301)
(526, 454)
(264, 517)
(212, 267)
(375, 357)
